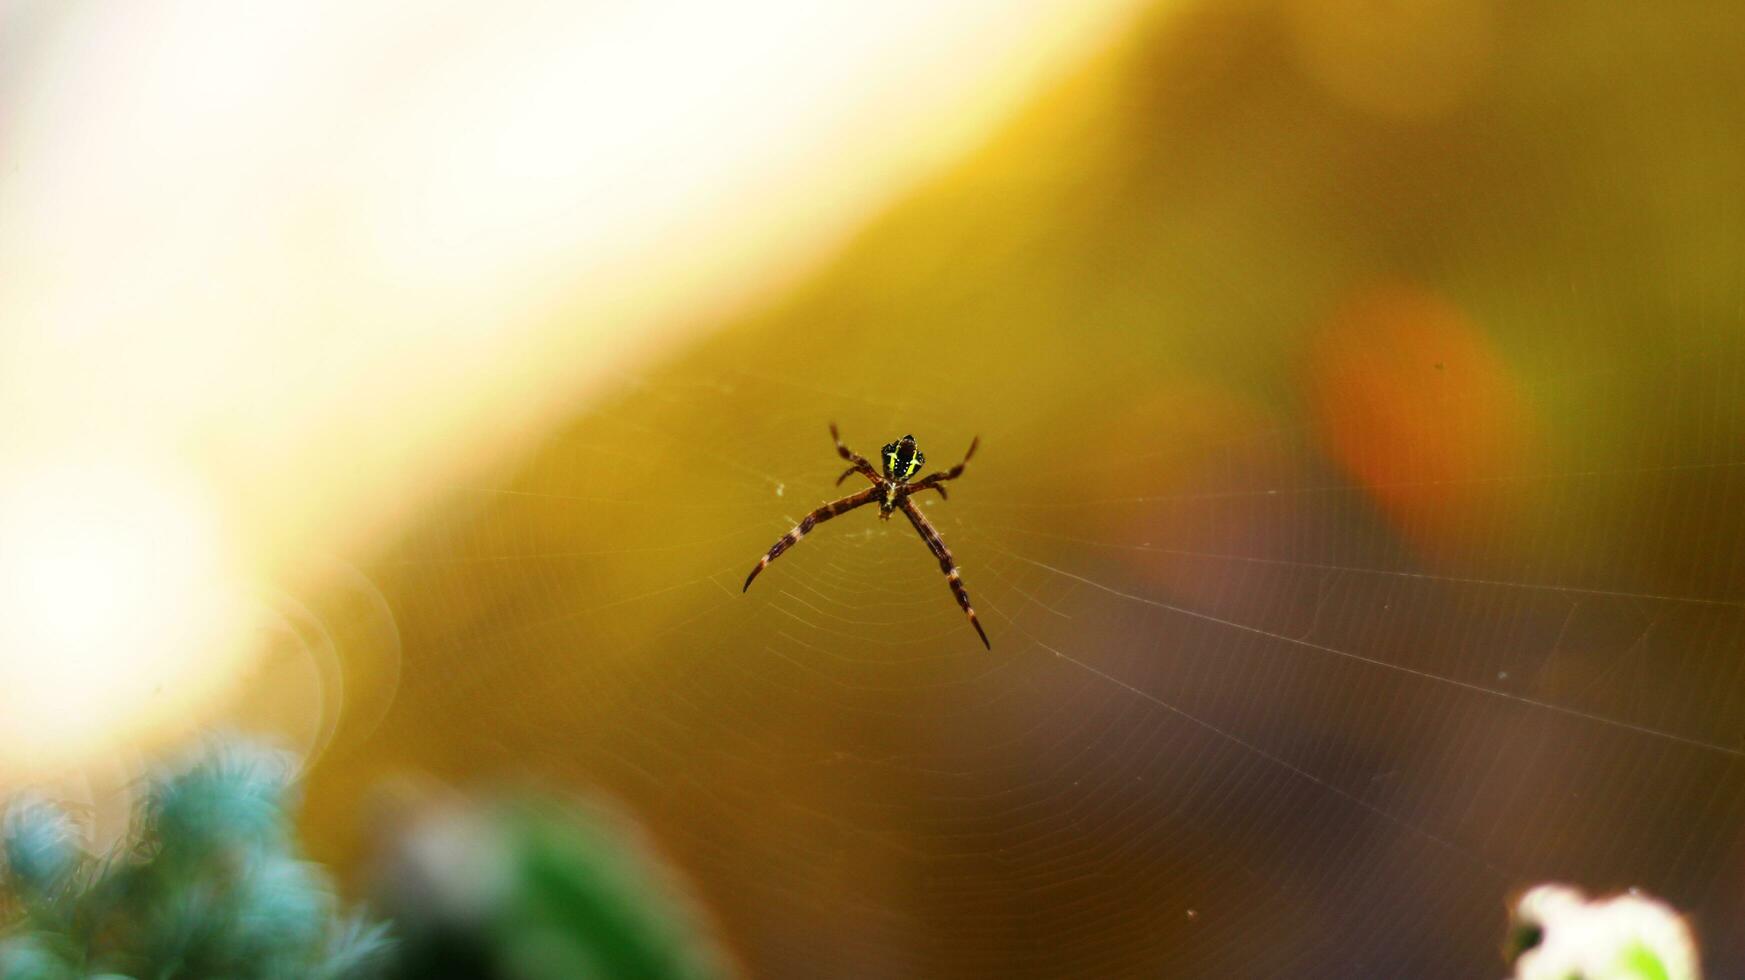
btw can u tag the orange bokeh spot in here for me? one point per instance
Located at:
(1415, 404)
(1192, 491)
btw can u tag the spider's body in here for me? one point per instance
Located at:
(893, 491)
(902, 461)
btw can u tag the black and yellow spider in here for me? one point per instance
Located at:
(893, 491)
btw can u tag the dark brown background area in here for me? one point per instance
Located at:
(1358, 525)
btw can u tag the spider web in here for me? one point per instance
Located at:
(1324, 759)
(1326, 612)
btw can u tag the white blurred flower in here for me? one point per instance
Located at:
(1558, 933)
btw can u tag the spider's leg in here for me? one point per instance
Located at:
(850, 472)
(810, 521)
(932, 480)
(937, 544)
(861, 464)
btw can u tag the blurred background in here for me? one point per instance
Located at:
(1358, 516)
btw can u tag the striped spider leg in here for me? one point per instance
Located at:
(810, 521)
(947, 564)
(857, 462)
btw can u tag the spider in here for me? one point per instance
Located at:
(892, 491)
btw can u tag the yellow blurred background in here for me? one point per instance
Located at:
(1357, 519)
(276, 278)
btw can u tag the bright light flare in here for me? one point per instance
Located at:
(338, 257)
(113, 609)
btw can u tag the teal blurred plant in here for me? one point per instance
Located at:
(209, 883)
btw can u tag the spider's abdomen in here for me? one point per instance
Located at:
(903, 460)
